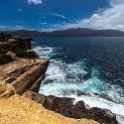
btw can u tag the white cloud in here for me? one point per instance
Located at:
(58, 15)
(110, 18)
(35, 1)
(43, 15)
(43, 23)
(12, 28)
(19, 9)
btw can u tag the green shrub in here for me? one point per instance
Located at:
(26, 54)
(5, 59)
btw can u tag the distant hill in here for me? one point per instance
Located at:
(71, 32)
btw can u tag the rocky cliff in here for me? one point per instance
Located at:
(24, 77)
(15, 109)
(66, 107)
(24, 74)
(9, 43)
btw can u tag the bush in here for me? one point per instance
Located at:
(26, 54)
(5, 59)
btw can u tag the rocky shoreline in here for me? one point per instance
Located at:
(16, 109)
(66, 107)
(26, 76)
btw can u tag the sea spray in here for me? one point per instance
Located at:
(77, 80)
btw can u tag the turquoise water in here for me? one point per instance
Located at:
(85, 69)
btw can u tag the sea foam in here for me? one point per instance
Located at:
(68, 80)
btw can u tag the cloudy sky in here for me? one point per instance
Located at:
(48, 15)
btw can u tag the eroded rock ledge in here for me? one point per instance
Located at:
(24, 77)
(66, 107)
(16, 109)
(24, 74)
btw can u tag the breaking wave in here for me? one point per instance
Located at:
(77, 81)
(45, 52)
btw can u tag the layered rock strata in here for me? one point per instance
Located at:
(24, 77)
(16, 109)
(24, 74)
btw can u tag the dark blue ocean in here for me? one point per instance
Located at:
(88, 69)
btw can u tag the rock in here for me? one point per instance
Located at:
(20, 110)
(31, 78)
(24, 77)
(4, 37)
(24, 74)
(103, 116)
(6, 90)
(35, 96)
(9, 43)
(79, 110)
(24, 42)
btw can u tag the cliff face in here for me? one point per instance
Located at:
(24, 42)
(9, 43)
(15, 109)
(24, 74)
(4, 37)
(24, 77)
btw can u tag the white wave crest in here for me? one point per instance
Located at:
(66, 80)
(45, 52)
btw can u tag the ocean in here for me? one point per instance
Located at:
(85, 68)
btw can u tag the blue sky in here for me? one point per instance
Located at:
(48, 15)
